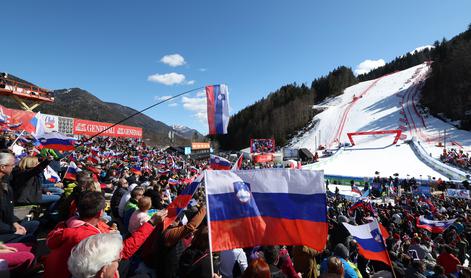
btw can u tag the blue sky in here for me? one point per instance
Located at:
(115, 49)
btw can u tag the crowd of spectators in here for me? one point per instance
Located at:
(458, 158)
(107, 215)
(262, 146)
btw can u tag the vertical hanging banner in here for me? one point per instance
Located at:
(217, 97)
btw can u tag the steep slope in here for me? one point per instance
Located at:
(389, 102)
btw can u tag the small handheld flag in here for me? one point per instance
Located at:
(51, 175)
(71, 172)
(238, 164)
(182, 201)
(219, 163)
(434, 226)
(38, 124)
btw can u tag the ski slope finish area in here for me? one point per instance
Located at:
(387, 103)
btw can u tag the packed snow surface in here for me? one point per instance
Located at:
(390, 102)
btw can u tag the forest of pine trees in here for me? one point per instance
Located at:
(283, 113)
(447, 91)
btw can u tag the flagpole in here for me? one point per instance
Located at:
(209, 225)
(392, 267)
(21, 134)
(386, 248)
(66, 170)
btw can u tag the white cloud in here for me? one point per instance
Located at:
(202, 69)
(201, 94)
(197, 105)
(191, 82)
(160, 98)
(173, 104)
(368, 65)
(173, 60)
(167, 78)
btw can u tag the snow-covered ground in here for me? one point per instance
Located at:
(387, 103)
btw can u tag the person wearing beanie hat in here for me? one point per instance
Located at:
(341, 252)
(338, 233)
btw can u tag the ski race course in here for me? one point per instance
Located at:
(387, 103)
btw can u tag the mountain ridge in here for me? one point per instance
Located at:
(79, 103)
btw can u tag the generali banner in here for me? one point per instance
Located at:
(90, 128)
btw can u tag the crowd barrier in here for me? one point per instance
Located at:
(444, 169)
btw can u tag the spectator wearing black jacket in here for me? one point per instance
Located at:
(27, 181)
(10, 228)
(120, 190)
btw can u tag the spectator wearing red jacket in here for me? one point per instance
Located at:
(68, 234)
(448, 260)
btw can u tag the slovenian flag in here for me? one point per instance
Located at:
(93, 159)
(217, 100)
(181, 201)
(38, 123)
(164, 172)
(434, 226)
(136, 170)
(57, 141)
(15, 125)
(219, 163)
(370, 241)
(71, 172)
(266, 207)
(3, 117)
(355, 189)
(367, 206)
(51, 175)
(238, 164)
(172, 181)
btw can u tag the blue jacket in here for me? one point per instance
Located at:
(349, 272)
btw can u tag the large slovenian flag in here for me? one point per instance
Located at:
(57, 141)
(370, 241)
(266, 207)
(219, 163)
(434, 226)
(217, 100)
(181, 201)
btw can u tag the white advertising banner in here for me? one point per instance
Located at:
(51, 122)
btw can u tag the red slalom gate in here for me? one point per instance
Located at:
(398, 133)
(347, 110)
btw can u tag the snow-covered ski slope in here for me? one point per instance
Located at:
(387, 103)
